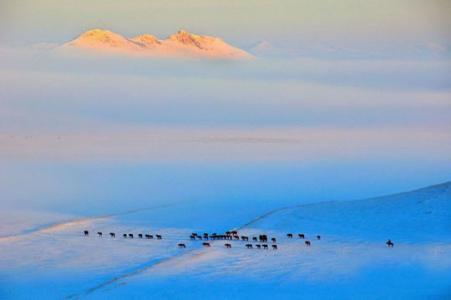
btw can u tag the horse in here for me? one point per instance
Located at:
(206, 244)
(254, 239)
(301, 236)
(181, 245)
(112, 234)
(130, 235)
(307, 243)
(86, 232)
(263, 238)
(228, 245)
(265, 246)
(249, 246)
(245, 238)
(389, 244)
(149, 236)
(99, 233)
(318, 237)
(274, 247)
(258, 246)
(236, 237)
(140, 235)
(273, 240)
(159, 237)
(289, 235)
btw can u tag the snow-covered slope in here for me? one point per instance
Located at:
(181, 44)
(350, 260)
(416, 216)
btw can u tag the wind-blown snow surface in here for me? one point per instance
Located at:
(55, 261)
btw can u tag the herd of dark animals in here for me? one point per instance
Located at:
(229, 235)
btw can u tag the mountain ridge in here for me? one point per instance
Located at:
(182, 44)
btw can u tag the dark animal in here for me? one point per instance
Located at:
(244, 238)
(86, 232)
(274, 247)
(192, 237)
(124, 235)
(301, 236)
(273, 240)
(318, 237)
(228, 245)
(263, 238)
(99, 233)
(234, 232)
(289, 235)
(140, 235)
(258, 246)
(159, 237)
(307, 243)
(265, 246)
(249, 246)
(206, 244)
(130, 235)
(254, 239)
(199, 237)
(112, 234)
(206, 236)
(236, 237)
(181, 245)
(149, 236)
(389, 244)
(194, 234)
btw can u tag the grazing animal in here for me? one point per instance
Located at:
(159, 237)
(140, 235)
(258, 246)
(206, 244)
(228, 245)
(318, 237)
(234, 232)
(181, 245)
(130, 235)
(199, 237)
(254, 239)
(236, 237)
(249, 246)
(86, 232)
(124, 235)
(99, 234)
(244, 238)
(192, 237)
(265, 246)
(263, 238)
(307, 243)
(289, 235)
(112, 234)
(274, 247)
(301, 236)
(273, 240)
(206, 235)
(149, 236)
(390, 244)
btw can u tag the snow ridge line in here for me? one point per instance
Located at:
(47, 227)
(135, 271)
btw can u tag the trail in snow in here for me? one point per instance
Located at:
(64, 224)
(132, 272)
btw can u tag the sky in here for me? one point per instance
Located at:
(356, 104)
